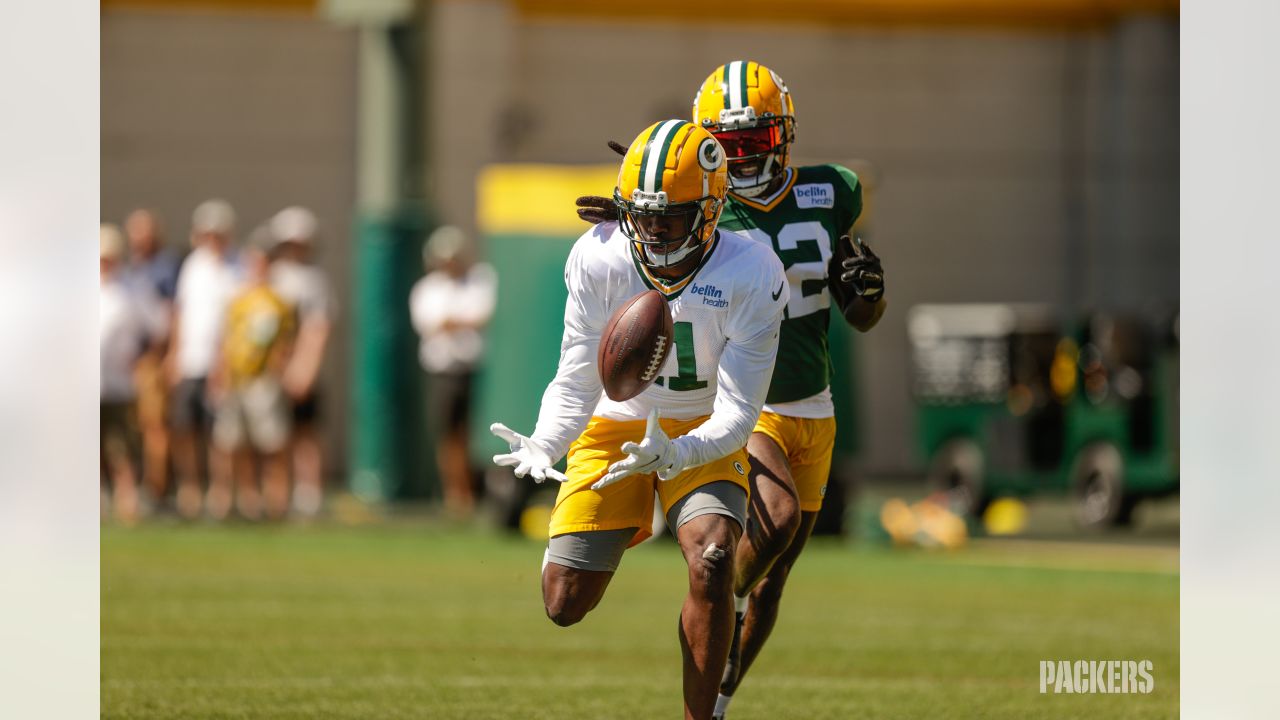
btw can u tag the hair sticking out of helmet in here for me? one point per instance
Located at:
(670, 192)
(748, 108)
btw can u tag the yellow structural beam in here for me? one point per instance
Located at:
(538, 199)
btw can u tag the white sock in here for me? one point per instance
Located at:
(722, 705)
(740, 604)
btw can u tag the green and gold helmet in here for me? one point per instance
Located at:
(748, 108)
(673, 176)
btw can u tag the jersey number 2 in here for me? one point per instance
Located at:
(803, 248)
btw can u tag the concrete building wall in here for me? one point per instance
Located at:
(255, 108)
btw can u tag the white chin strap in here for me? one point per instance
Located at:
(671, 258)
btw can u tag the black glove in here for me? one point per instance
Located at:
(855, 271)
(594, 208)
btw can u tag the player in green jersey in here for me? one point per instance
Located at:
(806, 214)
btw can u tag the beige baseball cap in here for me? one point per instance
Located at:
(214, 216)
(295, 224)
(444, 244)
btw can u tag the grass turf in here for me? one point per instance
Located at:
(420, 622)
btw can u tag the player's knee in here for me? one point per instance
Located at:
(563, 611)
(712, 569)
(565, 601)
(563, 617)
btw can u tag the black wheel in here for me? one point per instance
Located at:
(1098, 486)
(957, 469)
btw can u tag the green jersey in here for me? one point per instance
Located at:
(802, 221)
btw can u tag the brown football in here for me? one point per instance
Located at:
(634, 345)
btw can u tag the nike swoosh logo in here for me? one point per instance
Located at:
(779, 292)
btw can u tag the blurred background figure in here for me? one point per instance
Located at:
(206, 284)
(125, 328)
(152, 274)
(252, 417)
(450, 308)
(302, 284)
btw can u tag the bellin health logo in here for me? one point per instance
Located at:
(711, 295)
(815, 195)
(1096, 676)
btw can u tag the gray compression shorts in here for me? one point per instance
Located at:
(601, 550)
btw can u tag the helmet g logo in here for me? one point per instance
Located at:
(778, 81)
(710, 154)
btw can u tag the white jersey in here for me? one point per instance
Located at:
(206, 285)
(468, 301)
(726, 314)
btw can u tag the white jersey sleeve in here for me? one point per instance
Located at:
(571, 397)
(746, 364)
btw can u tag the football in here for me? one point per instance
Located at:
(634, 345)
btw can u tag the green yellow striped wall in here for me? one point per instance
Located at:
(538, 198)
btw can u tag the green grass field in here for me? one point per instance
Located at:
(410, 621)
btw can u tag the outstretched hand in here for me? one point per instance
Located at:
(525, 456)
(655, 453)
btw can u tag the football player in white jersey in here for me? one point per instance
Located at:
(684, 437)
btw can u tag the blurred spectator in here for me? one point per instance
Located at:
(450, 308)
(207, 282)
(304, 286)
(153, 274)
(253, 412)
(151, 263)
(124, 329)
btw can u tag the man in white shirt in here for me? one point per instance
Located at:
(304, 286)
(207, 281)
(450, 308)
(726, 296)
